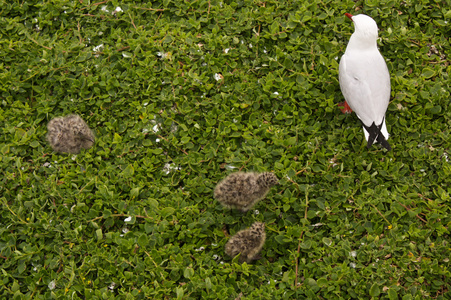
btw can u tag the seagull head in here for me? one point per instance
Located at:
(365, 30)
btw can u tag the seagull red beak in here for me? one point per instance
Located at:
(349, 16)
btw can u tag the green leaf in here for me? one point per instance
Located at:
(374, 290)
(280, 238)
(428, 73)
(180, 292)
(15, 287)
(129, 171)
(134, 192)
(288, 63)
(322, 282)
(274, 27)
(34, 144)
(306, 245)
(167, 211)
(392, 294)
(107, 213)
(188, 273)
(143, 240)
(185, 140)
(208, 283)
(99, 234)
(117, 139)
(311, 282)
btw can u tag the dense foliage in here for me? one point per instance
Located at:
(180, 94)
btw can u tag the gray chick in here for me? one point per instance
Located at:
(242, 190)
(249, 242)
(69, 134)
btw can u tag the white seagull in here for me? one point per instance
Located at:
(365, 81)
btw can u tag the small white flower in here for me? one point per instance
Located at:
(230, 167)
(157, 140)
(145, 104)
(74, 157)
(217, 76)
(226, 50)
(125, 229)
(112, 286)
(118, 9)
(100, 33)
(103, 8)
(215, 256)
(276, 93)
(156, 128)
(159, 54)
(126, 55)
(353, 253)
(168, 168)
(97, 48)
(52, 285)
(352, 265)
(250, 46)
(128, 219)
(256, 212)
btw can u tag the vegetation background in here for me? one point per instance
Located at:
(182, 93)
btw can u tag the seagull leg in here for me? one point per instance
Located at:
(344, 107)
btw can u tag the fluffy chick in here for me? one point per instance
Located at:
(69, 134)
(242, 190)
(248, 242)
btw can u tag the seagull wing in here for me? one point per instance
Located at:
(365, 84)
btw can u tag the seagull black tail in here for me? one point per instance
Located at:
(375, 134)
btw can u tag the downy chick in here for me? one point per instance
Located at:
(242, 190)
(248, 242)
(69, 134)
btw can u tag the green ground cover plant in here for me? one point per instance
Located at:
(182, 93)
